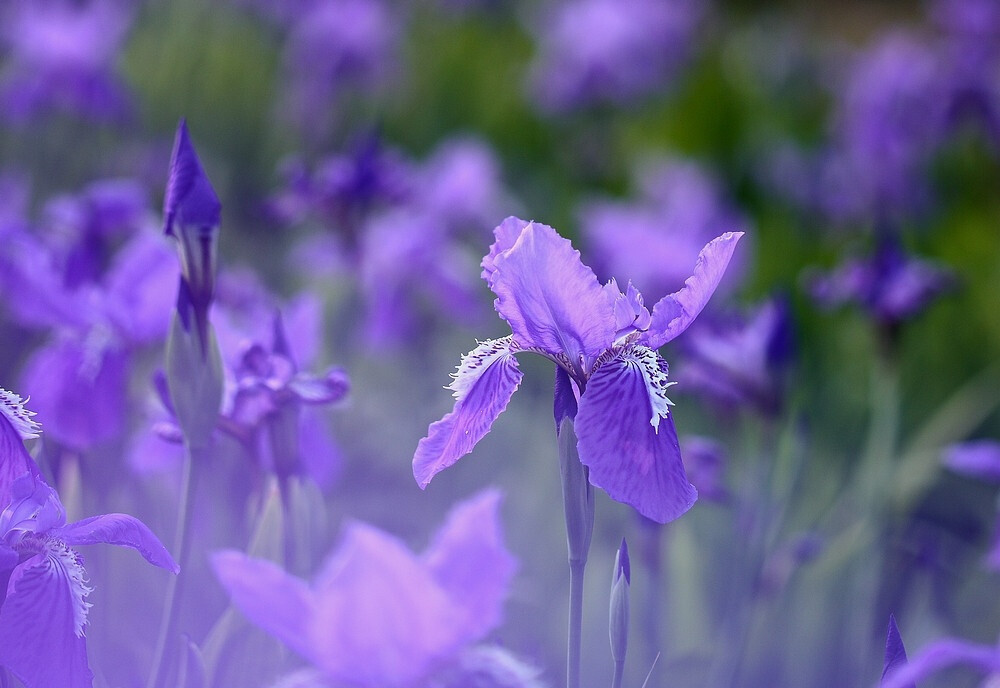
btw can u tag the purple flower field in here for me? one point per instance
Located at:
(740, 263)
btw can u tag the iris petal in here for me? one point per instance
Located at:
(41, 622)
(486, 379)
(675, 312)
(551, 300)
(469, 560)
(633, 460)
(122, 530)
(279, 603)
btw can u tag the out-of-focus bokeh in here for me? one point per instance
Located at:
(363, 151)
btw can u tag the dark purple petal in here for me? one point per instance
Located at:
(675, 312)
(279, 603)
(634, 461)
(942, 654)
(190, 198)
(978, 459)
(895, 653)
(469, 560)
(381, 617)
(551, 300)
(486, 379)
(122, 530)
(41, 622)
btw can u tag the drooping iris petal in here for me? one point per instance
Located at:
(469, 560)
(401, 620)
(484, 383)
(895, 653)
(942, 654)
(122, 530)
(551, 300)
(15, 424)
(41, 622)
(633, 460)
(279, 603)
(675, 312)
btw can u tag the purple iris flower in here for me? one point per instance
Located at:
(43, 585)
(738, 361)
(377, 615)
(656, 238)
(978, 459)
(600, 51)
(61, 57)
(603, 343)
(891, 285)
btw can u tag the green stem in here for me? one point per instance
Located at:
(165, 643)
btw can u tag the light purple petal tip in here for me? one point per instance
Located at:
(279, 603)
(506, 234)
(39, 624)
(675, 312)
(122, 530)
(189, 196)
(978, 459)
(469, 560)
(551, 300)
(486, 379)
(630, 459)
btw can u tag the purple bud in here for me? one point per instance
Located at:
(190, 198)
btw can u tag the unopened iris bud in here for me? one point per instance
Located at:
(191, 214)
(194, 367)
(619, 615)
(578, 493)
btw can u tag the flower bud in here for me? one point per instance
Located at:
(619, 614)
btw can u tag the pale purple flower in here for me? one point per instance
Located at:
(43, 585)
(943, 654)
(603, 343)
(656, 238)
(600, 51)
(61, 58)
(741, 360)
(376, 615)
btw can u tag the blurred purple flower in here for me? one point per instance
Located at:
(737, 361)
(600, 51)
(971, 57)
(889, 119)
(977, 458)
(891, 286)
(43, 590)
(656, 239)
(335, 47)
(603, 343)
(61, 58)
(942, 654)
(377, 615)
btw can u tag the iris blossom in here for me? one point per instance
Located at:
(43, 590)
(377, 615)
(603, 343)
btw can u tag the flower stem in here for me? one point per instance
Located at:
(616, 681)
(165, 642)
(576, 569)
